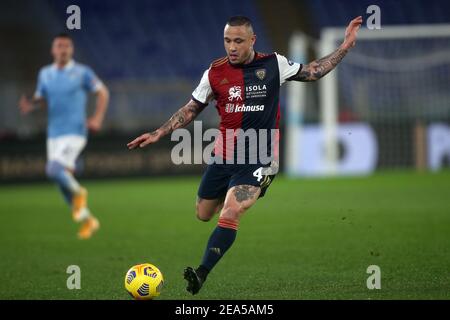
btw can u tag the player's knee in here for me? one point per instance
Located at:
(203, 218)
(202, 214)
(230, 217)
(232, 212)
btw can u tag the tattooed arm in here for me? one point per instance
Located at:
(180, 119)
(318, 68)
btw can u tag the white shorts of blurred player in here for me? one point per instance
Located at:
(65, 149)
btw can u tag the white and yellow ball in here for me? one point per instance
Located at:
(144, 281)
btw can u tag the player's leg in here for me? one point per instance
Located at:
(62, 154)
(247, 184)
(74, 194)
(207, 208)
(212, 191)
(238, 200)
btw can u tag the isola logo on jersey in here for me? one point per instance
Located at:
(256, 91)
(256, 88)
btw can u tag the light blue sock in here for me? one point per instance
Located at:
(64, 178)
(66, 194)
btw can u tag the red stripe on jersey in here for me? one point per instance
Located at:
(227, 83)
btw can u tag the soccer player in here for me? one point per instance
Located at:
(245, 85)
(64, 86)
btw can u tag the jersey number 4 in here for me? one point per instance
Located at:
(258, 174)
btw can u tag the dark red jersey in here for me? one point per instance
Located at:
(247, 95)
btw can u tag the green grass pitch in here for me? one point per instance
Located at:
(307, 239)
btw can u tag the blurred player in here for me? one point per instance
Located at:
(245, 85)
(63, 86)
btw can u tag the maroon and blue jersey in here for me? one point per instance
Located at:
(247, 96)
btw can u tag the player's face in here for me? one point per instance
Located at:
(62, 50)
(238, 41)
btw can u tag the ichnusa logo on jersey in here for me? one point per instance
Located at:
(231, 107)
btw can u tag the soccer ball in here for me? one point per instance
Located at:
(144, 281)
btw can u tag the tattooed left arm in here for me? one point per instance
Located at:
(318, 68)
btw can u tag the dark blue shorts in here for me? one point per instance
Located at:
(218, 178)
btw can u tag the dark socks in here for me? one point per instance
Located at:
(202, 272)
(219, 242)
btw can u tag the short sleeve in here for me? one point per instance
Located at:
(203, 93)
(40, 88)
(287, 68)
(90, 81)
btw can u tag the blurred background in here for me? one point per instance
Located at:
(388, 106)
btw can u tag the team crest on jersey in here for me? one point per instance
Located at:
(261, 74)
(235, 93)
